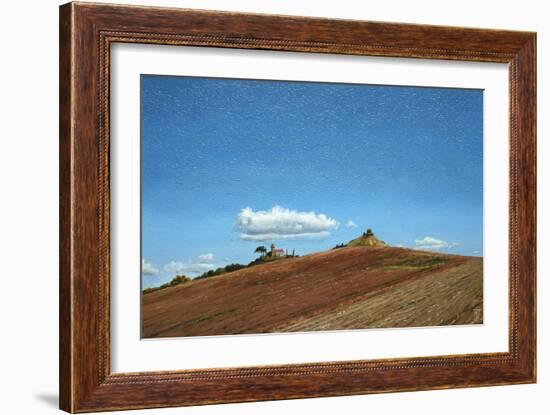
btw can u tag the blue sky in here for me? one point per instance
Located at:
(229, 164)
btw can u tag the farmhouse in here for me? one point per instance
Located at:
(276, 252)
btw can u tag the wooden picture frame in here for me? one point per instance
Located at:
(86, 33)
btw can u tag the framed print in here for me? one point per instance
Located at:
(260, 207)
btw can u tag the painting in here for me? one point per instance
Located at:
(273, 206)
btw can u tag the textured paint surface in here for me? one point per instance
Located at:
(350, 288)
(405, 161)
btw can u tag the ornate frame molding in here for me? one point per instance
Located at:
(86, 33)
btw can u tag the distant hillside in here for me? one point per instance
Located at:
(348, 288)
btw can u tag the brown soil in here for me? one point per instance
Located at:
(346, 288)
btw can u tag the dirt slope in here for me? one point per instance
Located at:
(346, 288)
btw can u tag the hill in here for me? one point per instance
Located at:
(357, 286)
(367, 239)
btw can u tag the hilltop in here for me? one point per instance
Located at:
(353, 287)
(367, 239)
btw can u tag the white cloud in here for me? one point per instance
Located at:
(207, 258)
(282, 223)
(202, 264)
(351, 224)
(431, 243)
(270, 236)
(174, 266)
(197, 268)
(148, 269)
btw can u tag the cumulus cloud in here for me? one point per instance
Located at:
(431, 243)
(207, 258)
(351, 224)
(282, 223)
(174, 267)
(273, 236)
(197, 268)
(202, 264)
(148, 269)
